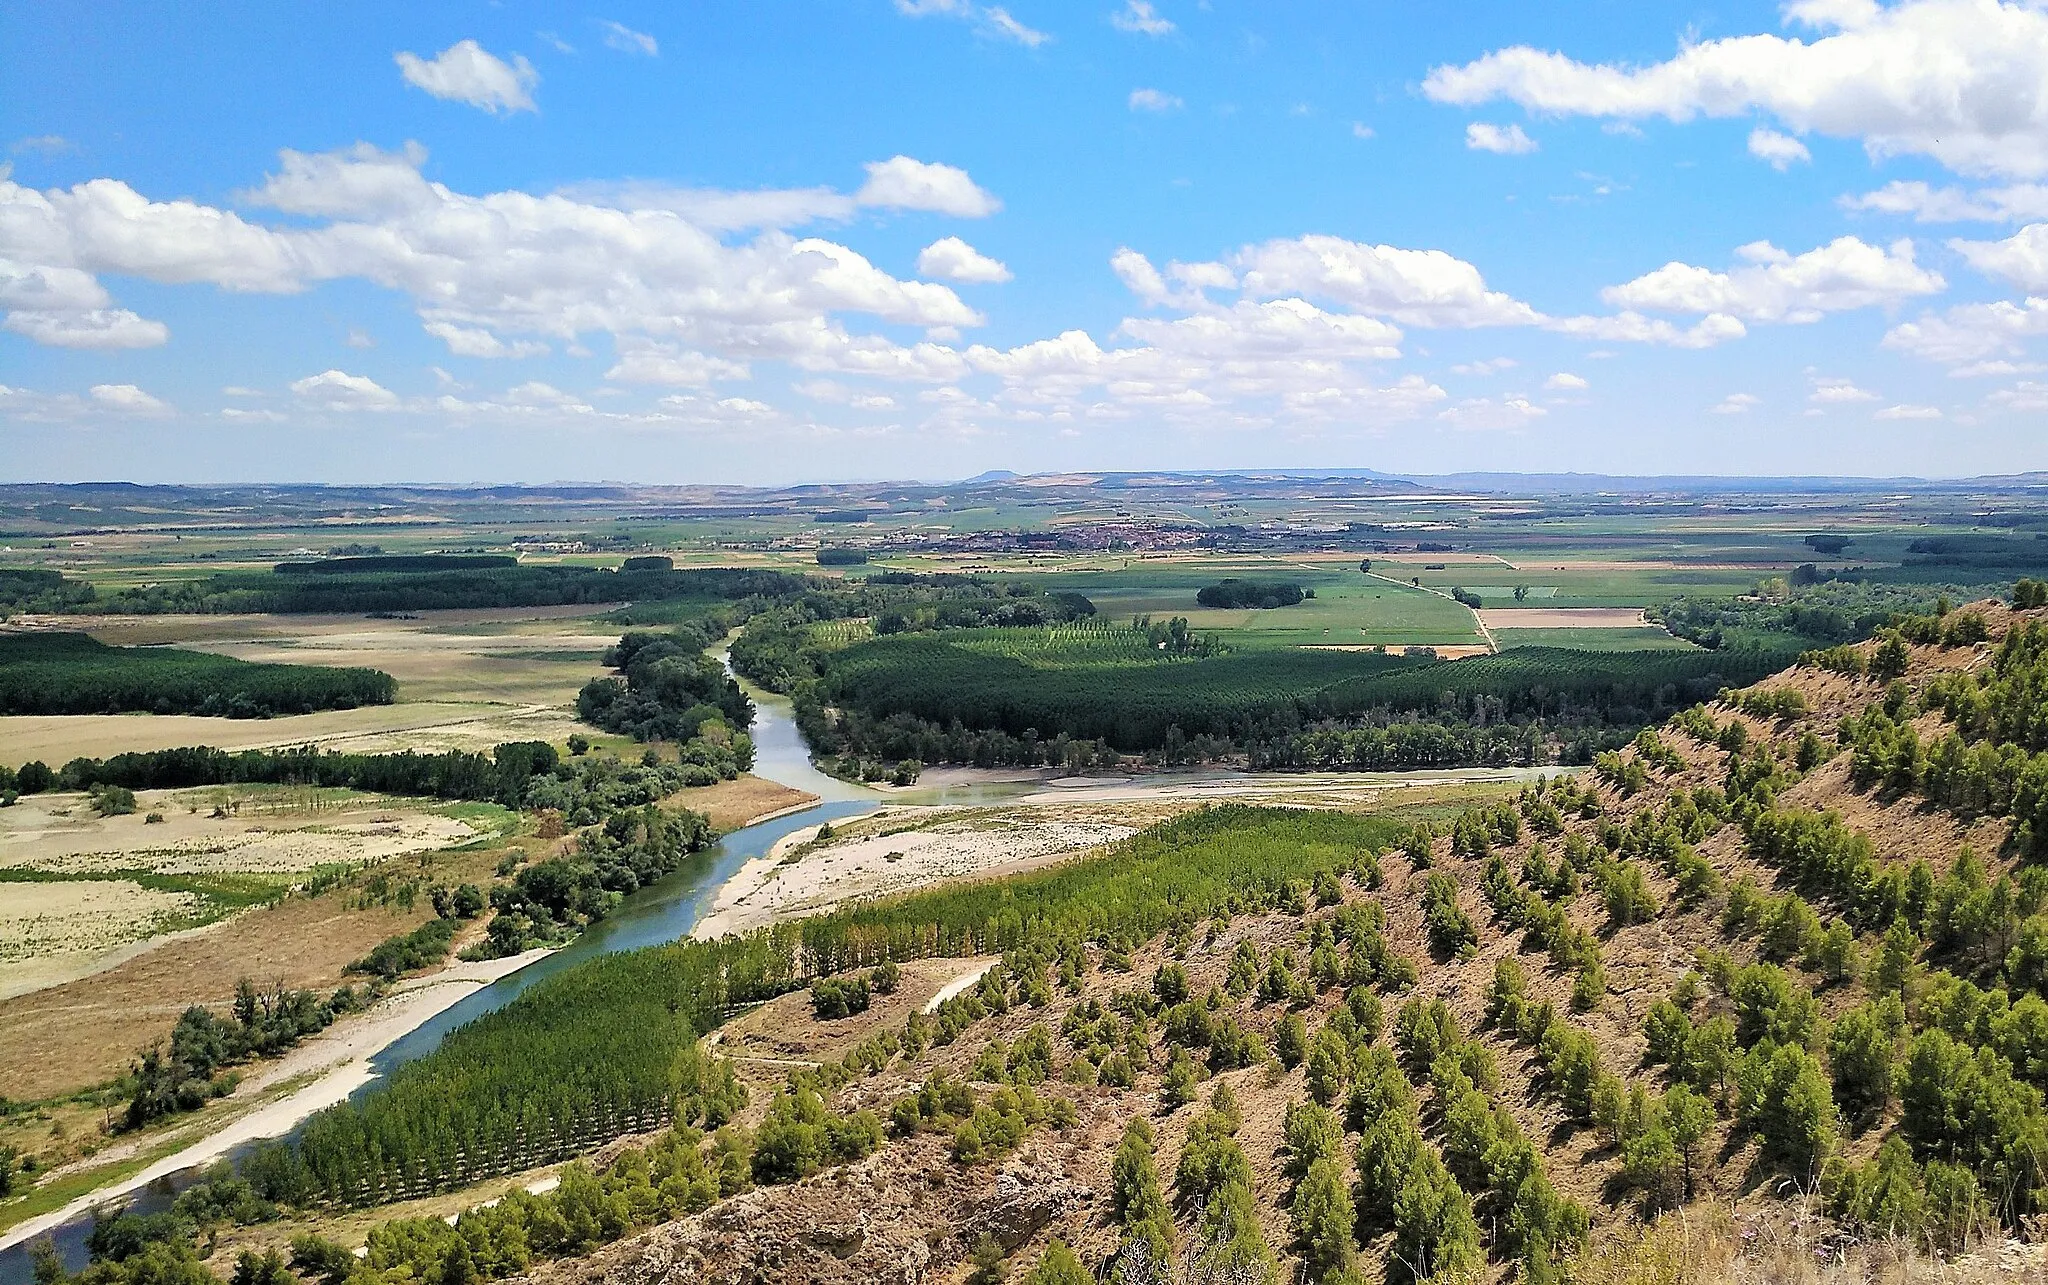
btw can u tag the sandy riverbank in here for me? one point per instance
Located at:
(338, 1062)
(894, 851)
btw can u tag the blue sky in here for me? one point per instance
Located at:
(921, 238)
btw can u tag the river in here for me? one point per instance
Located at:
(664, 911)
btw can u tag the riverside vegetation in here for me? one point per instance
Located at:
(1323, 1044)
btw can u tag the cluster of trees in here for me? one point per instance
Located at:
(72, 673)
(501, 776)
(204, 1046)
(668, 690)
(1262, 696)
(1820, 613)
(593, 1051)
(1233, 593)
(1993, 761)
(551, 901)
(410, 583)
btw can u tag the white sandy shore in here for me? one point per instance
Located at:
(338, 1059)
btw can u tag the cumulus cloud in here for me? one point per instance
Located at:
(1507, 140)
(1416, 287)
(1776, 286)
(127, 399)
(1833, 390)
(1970, 333)
(1962, 81)
(901, 183)
(474, 341)
(487, 273)
(339, 390)
(645, 362)
(1141, 19)
(619, 36)
(1735, 404)
(2021, 258)
(2016, 203)
(988, 20)
(465, 73)
(1566, 382)
(1777, 150)
(955, 260)
(1908, 412)
(1153, 100)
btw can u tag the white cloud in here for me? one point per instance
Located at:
(837, 394)
(1417, 287)
(1489, 413)
(101, 328)
(1777, 150)
(1735, 404)
(1908, 412)
(1139, 18)
(1566, 382)
(1153, 100)
(1359, 129)
(1962, 81)
(1508, 140)
(474, 341)
(1833, 390)
(361, 182)
(1633, 327)
(359, 338)
(236, 390)
(989, 20)
(1778, 287)
(1971, 332)
(901, 183)
(2014, 204)
(67, 308)
(127, 399)
(955, 260)
(508, 267)
(619, 36)
(2027, 395)
(339, 390)
(642, 362)
(465, 73)
(2021, 258)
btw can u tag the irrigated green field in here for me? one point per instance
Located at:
(1350, 607)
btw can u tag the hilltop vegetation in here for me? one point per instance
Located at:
(72, 673)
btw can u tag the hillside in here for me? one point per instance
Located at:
(1740, 962)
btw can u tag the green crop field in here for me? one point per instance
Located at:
(1349, 608)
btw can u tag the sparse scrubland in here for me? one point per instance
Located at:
(1757, 998)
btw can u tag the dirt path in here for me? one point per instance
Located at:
(338, 1060)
